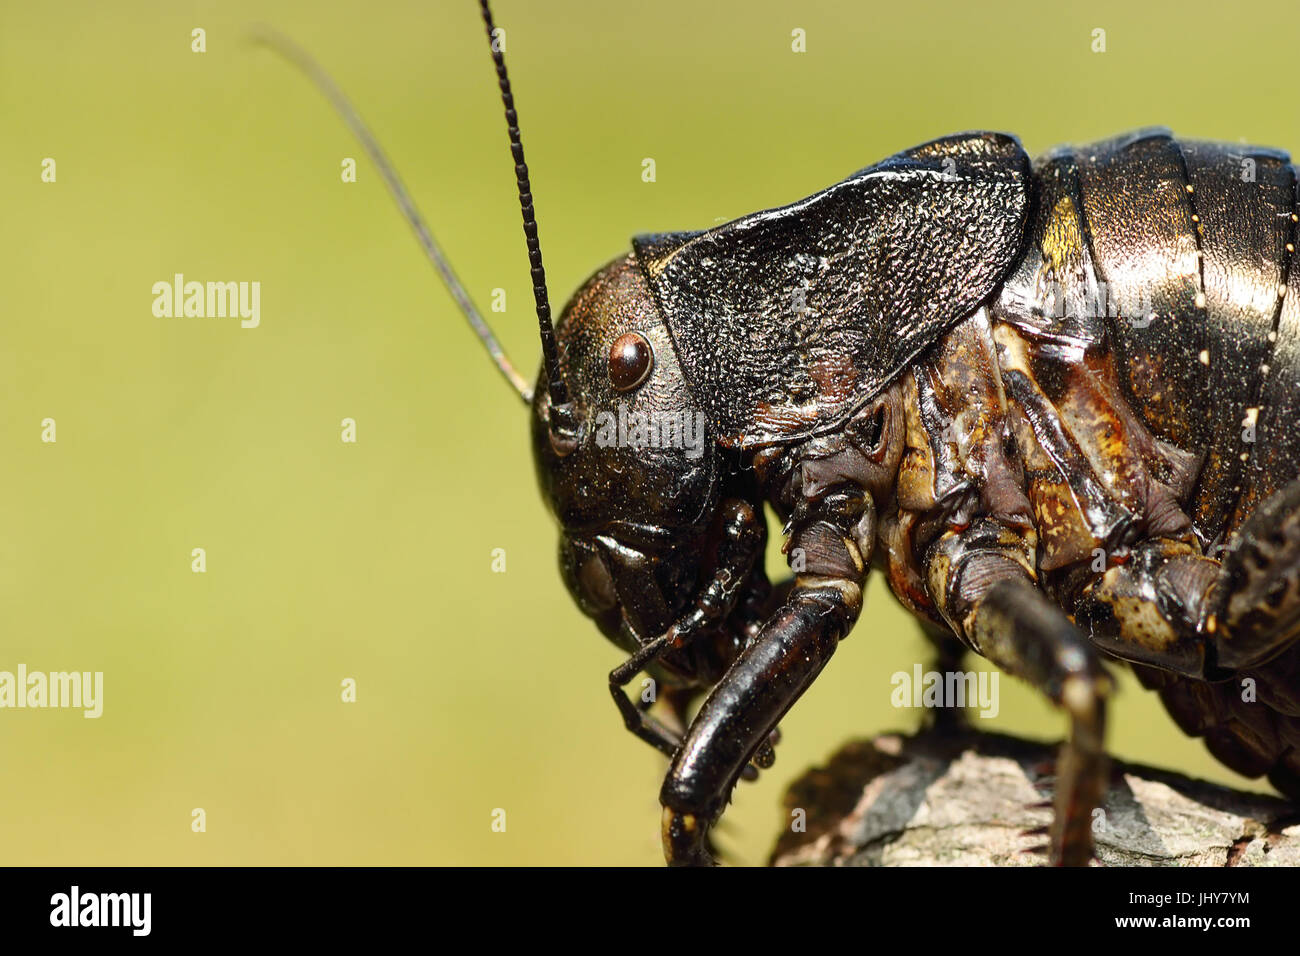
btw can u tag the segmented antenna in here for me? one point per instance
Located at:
(559, 395)
(290, 51)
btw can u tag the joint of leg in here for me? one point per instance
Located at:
(683, 836)
(817, 587)
(1084, 695)
(740, 522)
(686, 800)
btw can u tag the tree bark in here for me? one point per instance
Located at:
(966, 799)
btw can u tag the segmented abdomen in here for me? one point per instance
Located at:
(1176, 256)
(1168, 267)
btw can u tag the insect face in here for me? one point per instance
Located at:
(631, 475)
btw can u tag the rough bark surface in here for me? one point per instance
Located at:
(969, 799)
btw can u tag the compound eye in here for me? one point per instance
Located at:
(630, 361)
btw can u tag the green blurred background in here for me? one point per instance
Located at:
(326, 560)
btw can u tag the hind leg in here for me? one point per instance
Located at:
(1254, 614)
(1222, 641)
(1171, 607)
(1255, 609)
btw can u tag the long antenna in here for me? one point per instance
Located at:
(300, 58)
(559, 395)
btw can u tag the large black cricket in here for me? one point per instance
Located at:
(1056, 403)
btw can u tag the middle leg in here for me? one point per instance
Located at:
(983, 584)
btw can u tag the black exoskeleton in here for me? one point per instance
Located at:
(1057, 404)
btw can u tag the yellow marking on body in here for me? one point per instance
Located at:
(1062, 240)
(854, 554)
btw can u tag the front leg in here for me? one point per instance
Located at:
(832, 542)
(743, 537)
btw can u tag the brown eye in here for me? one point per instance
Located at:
(630, 360)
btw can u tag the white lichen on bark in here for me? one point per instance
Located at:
(969, 800)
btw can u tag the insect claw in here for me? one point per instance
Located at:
(1036, 832)
(1040, 805)
(1040, 850)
